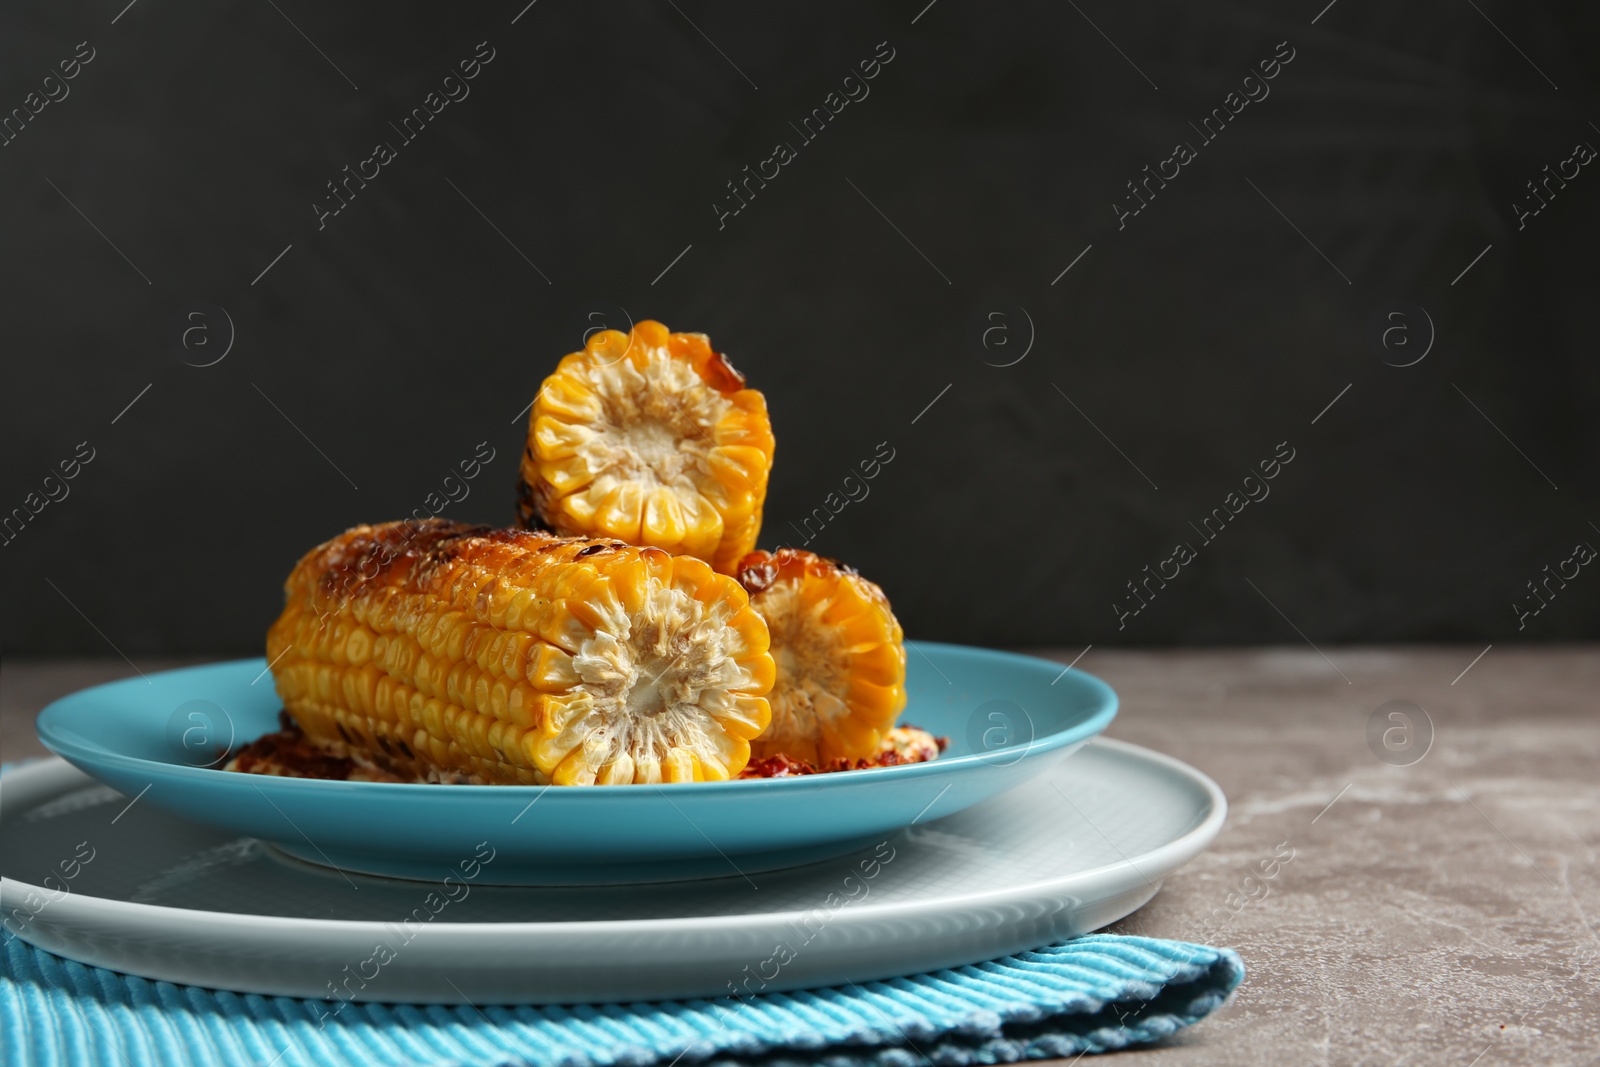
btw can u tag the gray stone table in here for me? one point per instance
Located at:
(1442, 912)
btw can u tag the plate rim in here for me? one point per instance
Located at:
(1103, 712)
(1170, 856)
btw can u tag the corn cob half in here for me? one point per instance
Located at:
(840, 656)
(649, 437)
(462, 653)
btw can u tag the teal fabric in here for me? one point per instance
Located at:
(1092, 994)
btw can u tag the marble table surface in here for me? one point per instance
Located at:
(1442, 902)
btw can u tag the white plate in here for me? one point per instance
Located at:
(89, 877)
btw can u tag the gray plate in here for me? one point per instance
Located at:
(90, 877)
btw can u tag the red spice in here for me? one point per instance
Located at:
(781, 766)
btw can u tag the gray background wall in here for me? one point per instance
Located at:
(1173, 356)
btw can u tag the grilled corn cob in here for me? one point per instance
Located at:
(649, 437)
(448, 652)
(840, 656)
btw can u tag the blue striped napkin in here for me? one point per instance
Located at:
(1092, 994)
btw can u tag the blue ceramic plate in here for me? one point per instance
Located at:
(160, 741)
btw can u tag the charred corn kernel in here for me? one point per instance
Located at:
(839, 654)
(649, 437)
(448, 652)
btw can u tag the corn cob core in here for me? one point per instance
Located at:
(840, 656)
(452, 652)
(649, 437)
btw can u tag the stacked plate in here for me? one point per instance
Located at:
(137, 853)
